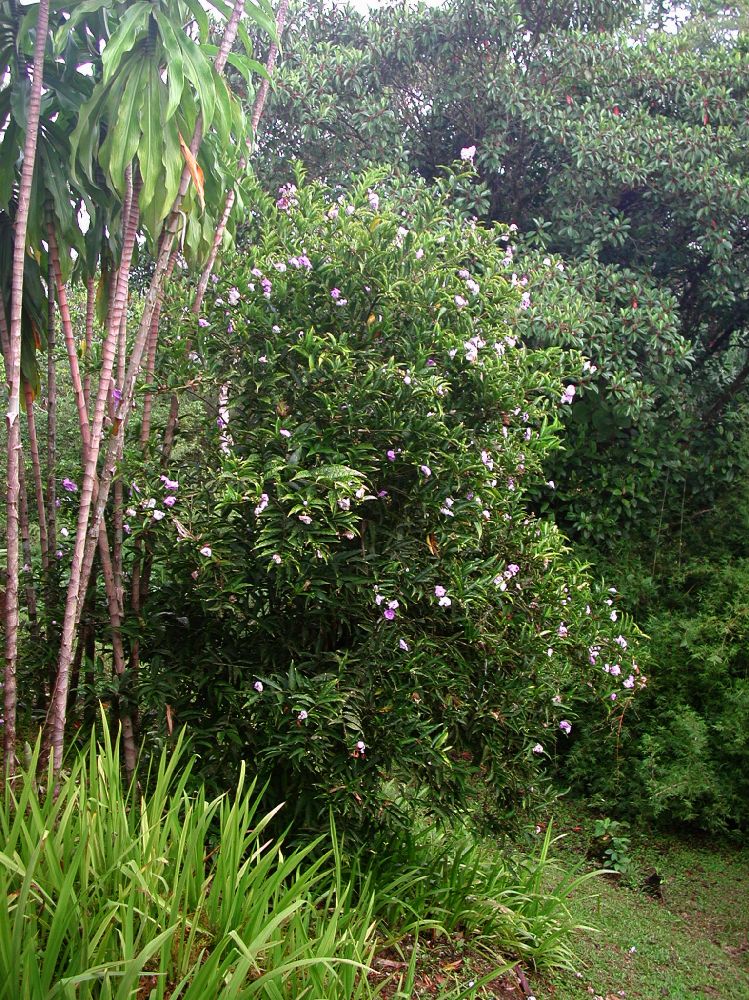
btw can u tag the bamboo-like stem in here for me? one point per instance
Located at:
(51, 513)
(90, 307)
(270, 64)
(80, 564)
(91, 514)
(36, 468)
(67, 329)
(14, 380)
(205, 276)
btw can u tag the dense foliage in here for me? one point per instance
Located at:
(614, 137)
(608, 140)
(362, 588)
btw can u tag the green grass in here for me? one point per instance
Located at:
(691, 943)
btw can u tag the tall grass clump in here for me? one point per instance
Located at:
(113, 894)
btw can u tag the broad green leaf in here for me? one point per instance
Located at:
(133, 22)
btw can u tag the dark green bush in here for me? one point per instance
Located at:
(683, 753)
(363, 591)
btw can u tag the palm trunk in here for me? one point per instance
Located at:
(36, 468)
(262, 94)
(51, 513)
(90, 307)
(14, 379)
(67, 329)
(205, 277)
(89, 522)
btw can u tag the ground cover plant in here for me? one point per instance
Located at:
(169, 893)
(675, 926)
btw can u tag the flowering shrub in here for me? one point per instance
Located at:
(364, 592)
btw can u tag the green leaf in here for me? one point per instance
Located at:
(152, 138)
(134, 20)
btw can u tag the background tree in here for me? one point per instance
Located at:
(606, 140)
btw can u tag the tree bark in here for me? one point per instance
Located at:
(14, 379)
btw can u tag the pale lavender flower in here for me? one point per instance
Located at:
(284, 433)
(69, 486)
(170, 501)
(425, 470)
(460, 302)
(305, 519)
(276, 559)
(403, 645)
(302, 716)
(569, 394)
(566, 727)
(234, 297)
(467, 153)
(203, 322)
(159, 515)
(258, 685)
(538, 748)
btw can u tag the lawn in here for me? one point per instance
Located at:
(686, 939)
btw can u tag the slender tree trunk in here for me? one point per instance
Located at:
(28, 576)
(205, 277)
(66, 322)
(51, 513)
(90, 308)
(89, 522)
(36, 468)
(270, 64)
(14, 379)
(77, 584)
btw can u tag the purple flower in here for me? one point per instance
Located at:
(117, 395)
(258, 685)
(170, 501)
(267, 287)
(158, 515)
(562, 630)
(525, 300)
(566, 727)
(403, 645)
(203, 322)
(568, 395)
(538, 748)
(69, 485)
(305, 519)
(302, 716)
(389, 614)
(425, 470)
(439, 591)
(233, 296)
(374, 200)
(284, 433)
(206, 551)
(169, 484)
(361, 746)
(59, 553)
(335, 293)
(629, 682)
(460, 301)
(276, 559)
(391, 455)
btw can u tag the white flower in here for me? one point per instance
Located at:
(206, 551)
(159, 515)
